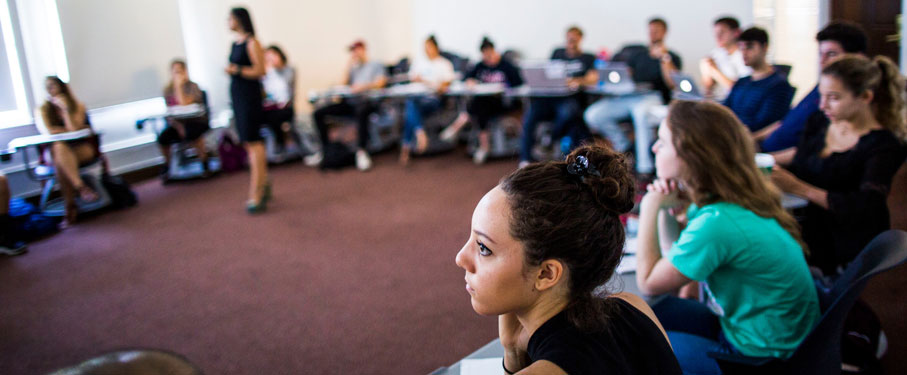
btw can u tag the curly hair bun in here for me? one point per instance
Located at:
(613, 187)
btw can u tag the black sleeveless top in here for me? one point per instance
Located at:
(631, 344)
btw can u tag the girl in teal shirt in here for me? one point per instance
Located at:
(739, 243)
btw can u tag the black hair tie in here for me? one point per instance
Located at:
(581, 168)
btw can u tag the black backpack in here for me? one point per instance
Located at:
(337, 155)
(121, 195)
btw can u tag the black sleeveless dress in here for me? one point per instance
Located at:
(246, 95)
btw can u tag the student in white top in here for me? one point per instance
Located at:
(724, 65)
(436, 73)
(280, 86)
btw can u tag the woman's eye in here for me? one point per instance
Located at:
(483, 250)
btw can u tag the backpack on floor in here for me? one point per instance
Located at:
(232, 154)
(27, 222)
(121, 194)
(336, 155)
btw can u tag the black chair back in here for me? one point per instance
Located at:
(820, 351)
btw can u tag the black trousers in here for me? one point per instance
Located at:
(360, 110)
(275, 118)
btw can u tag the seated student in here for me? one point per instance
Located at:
(763, 97)
(724, 65)
(9, 242)
(652, 65)
(436, 73)
(363, 75)
(61, 113)
(845, 168)
(738, 241)
(564, 111)
(279, 83)
(492, 69)
(542, 244)
(834, 40)
(182, 91)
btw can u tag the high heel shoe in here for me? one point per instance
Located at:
(256, 208)
(266, 195)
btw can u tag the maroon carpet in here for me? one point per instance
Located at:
(347, 272)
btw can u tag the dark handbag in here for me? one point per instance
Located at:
(121, 194)
(232, 154)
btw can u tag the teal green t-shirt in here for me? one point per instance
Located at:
(755, 276)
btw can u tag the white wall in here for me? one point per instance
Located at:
(313, 34)
(535, 27)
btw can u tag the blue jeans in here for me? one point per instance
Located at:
(694, 331)
(565, 113)
(417, 108)
(603, 116)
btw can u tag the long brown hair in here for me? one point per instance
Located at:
(48, 109)
(719, 158)
(880, 76)
(574, 218)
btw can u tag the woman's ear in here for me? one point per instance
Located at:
(549, 274)
(867, 96)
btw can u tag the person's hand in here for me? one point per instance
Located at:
(358, 88)
(785, 180)
(232, 69)
(58, 102)
(662, 194)
(658, 51)
(471, 83)
(512, 334)
(574, 83)
(707, 65)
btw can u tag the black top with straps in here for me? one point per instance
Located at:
(631, 344)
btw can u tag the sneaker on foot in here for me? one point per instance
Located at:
(480, 156)
(363, 161)
(313, 160)
(523, 164)
(14, 248)
(448, 134)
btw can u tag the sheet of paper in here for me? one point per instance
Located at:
(489, 366)
(627, 264)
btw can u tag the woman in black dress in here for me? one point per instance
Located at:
(844, 168)
(246, 69)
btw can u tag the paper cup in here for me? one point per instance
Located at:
(765, 162)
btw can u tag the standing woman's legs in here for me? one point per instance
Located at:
(258, 170)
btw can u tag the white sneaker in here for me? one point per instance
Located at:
(480, 156)
(313, 160)
(363, 161)
(523, 164)
(448, 134)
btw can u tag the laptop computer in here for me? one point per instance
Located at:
(685, 87)
(546, 76)
(615, 78)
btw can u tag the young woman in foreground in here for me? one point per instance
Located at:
(542, 243)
